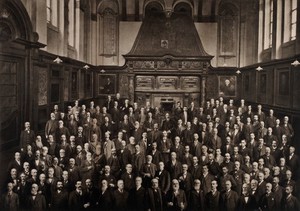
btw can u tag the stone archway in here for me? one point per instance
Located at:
(17, 41)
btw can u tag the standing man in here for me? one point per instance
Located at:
(120, 197)
(230, 198)
(27, 137)
(213, 197)
(154, 200)
(9, 200)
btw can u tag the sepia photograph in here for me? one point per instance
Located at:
(150, 105)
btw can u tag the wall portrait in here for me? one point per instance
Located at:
(284, 83)
(106, 84)
(227, 86)
(263, 83)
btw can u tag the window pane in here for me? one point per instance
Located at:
(48, 15)
(294, 4)
(293, 31)
(294, 16)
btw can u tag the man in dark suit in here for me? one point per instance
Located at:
(9, 200)
(290, 202)
(154, 200)
(16, 163)
(247, 201)
(174, 167)
(155, 134)
(76, 198)
(163, 177)
(27, 137)
(185, 179)
(213, 198)
(196, 197)
(156, 154)
(261, 187)
(176, 199)
(137, 196)
(148, 171)
(91, 195)
(229, 198)
(267, 201)
(36, 201)
(226, 177)
(293, 162)
(105, 201)
(120, 197)
(59, 198)
(278, 193)
(128, 178)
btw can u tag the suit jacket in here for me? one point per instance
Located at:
(59, 201)
(38, 204)
(137, 199)
(176, 199)
(129, 180)
(148, 168)
(187, 136)
(267, 202)
(164, 180)
(26, 137)
(196, 200)
(213, 201)
(196, 149)
(156, 157)
(155, 136)
(294, 164)
(186, 182)
(229, 200)
(120, 200)
(138, 161)
(290, 204)
(278, 193)
(10, 202)
(206, 183)
(174, 170)
(151, 203)
(250, 205)
(105, 201)
(76, 201)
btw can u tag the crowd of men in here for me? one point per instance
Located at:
(223, 156)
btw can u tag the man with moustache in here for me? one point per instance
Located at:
(59, 198)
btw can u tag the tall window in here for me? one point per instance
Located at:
(71, 26)
(290, 20)
(271, 23)
(293, 18)
(49, 11)
(268, 23)
(52, 13)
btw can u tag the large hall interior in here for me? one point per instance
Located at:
(154, 104)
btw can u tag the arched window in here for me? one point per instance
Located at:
(290, 20)
(52, 12)
(183, 8)
(109, 25)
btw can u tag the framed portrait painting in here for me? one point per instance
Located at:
(227, 86)
(106, 84)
